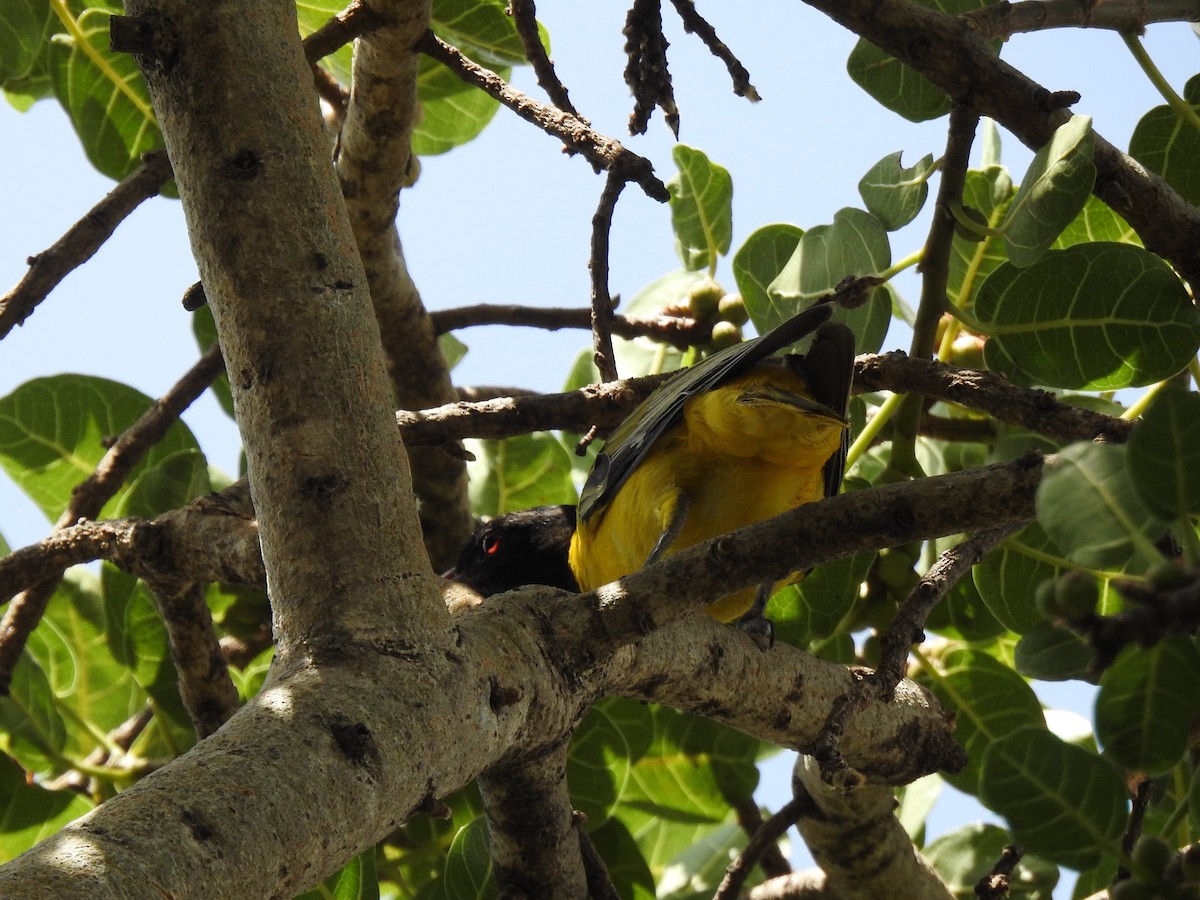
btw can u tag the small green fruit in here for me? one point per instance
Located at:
(732, 308)
(1151, 854)
(704, 299)
(1076, 595)
(725, 334)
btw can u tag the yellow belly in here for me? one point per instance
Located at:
(743, 453)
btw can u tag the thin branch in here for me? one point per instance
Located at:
(599, 150)
(935, 274)
(524, 14)
(89, 497)
(694, 23)
(82, 239)
(646, 71)
(906, 629)
(602, 305)
(352, 22)
(763, 844)
(205, 687)
(996, 884)
(678, 331)
(1000, 21)
(599, 882)
(607, 405)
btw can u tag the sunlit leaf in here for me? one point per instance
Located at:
(105, 96)
(1008, 577)
(1052, 193)
(520, 472)
(24, 28)
(452, 112)
(29, 812)
(1096, 222)
(1146, 702)
(855, 244)
(1091, 317)
(1166, 143)
(758, 262)
(988, 191)
(468, 874)
(893, 194)
(701, 208)
(1062, 803)
(966, 855)
(613, 737)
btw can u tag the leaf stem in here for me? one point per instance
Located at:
(71, 24)
(871, 430)
(1182, 108)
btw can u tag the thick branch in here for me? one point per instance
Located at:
(1000, 21)
(374, 164)
(961, 63)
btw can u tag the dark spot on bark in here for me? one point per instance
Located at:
(242, 166)
(150, 37)
(245, 379)
(501, 696)
(782, 721)
(904, 516)
(198, 824)
(320, 261)
(321, 489)
(354, 740)
(344, 285)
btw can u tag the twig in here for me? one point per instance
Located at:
(205, 687)
(82, 239)
(996, 883)
(749, 817)
(935, 273)
(646, 71)
(765, 840)
(524, 14)
(906, 629)
(694, 23)
(599, 150)
(599, 881)
(1000, 21)
(602, 306)
(677, 331)
(89, 497)
(352, 22)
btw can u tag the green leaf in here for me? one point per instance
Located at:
(1053, 192)
(520, 472)
(1008, 577)
(1090, 510)
(963, 857)
(1146, 702)
(894, 194)
(32, 729)
(1164, 454)
(1096, 222)
(701, 209)
(758, 262)
(468, 874)
(896, 86)
(855, 244)
(1094, 317)
(614, 735)
(104, 95)
(989, 191)
(812, 610)
(205, 331)
(25, 26)
(452, 112)
(1050, 653)
(962, 614)
(1166, 143)
(1062, 803)
(482, 30)
(29, 812)
(630, 875)
(642, 356)
(53, 432)
(988, 699)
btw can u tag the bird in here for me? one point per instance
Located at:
(737, 438)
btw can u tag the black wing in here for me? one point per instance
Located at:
(634, 437)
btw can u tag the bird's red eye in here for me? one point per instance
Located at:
(490, 544)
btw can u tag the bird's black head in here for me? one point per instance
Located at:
(529, 546)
